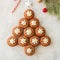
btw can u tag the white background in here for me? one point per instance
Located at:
(9, 20)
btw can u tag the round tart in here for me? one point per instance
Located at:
(28, 32)
(29, 50)
(34, 41)
(23, 41)
(34, 22)
(17, 31)
(23, 23)
(45, 41)
(29, 14)
(12, 41)
(40, 31)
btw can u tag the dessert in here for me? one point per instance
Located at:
(17, 31)
(29, 50)
(22, 41)
(28, 32)
(34, 40)
(45, 41)
(23, 23)
(12, 41)
(34, 22)
(40, 31)
(29, 14)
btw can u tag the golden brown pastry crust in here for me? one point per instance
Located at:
(32, 52)
(30, 34)
(16, 30)
(23, 23)
(34, 22)
(46, 42)
(36, 42)
(29, 17)
(12, 43)
(22, 43)
(41, 31)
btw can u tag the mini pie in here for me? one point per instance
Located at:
(34, 22)
(40, 31)
(29, 14)
(34, 40)
(45, 41)
(12, 41)
(29, 50)
(23, 23)
(23, 41)
(28, 32)
(17, 31)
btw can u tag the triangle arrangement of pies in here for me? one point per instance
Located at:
(29, 34)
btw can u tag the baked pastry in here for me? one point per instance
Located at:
(23, 23)
(22, 41)
(17, 31)
(28, 32)
(29, 14)
(34, 40)
(40, 31)
(29, 50)
(34, 22)
(12, 41)
(45, 41)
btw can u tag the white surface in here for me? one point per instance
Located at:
(9, 20)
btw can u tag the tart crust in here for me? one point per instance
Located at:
(29, 14)
(29, 50)
(45, 41)
(40, 31)
(28, 32)
(23, 23)
(34, 40)
(17, 31)
(12, 41)
(34, 22)
(22, 41)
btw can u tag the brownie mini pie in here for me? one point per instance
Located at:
(28, 32)
(29, 50)
(34, 22)
(23, 41)
(45, 41)
(29, 14)
(40, 31)
(34, 41)
(23, 23)
(12, 41)
(17, 31)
